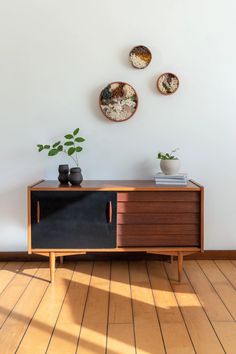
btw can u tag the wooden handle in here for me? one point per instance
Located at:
(110, 212)
(38, 212)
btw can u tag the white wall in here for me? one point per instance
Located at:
(56, 56)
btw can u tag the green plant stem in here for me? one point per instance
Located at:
(76, 162)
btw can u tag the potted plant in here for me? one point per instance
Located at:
(71, 148)
(169, 164)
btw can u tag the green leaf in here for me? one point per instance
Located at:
(56, 144)
(79, 139)
(40, 147)
(78, 149)
(69, 136)
(60, 148)
(75, 132)
(71, 151)
(46, 147)
(53, 152)
(69, 143)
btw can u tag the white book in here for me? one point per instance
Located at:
(177, 176)
(173, 183)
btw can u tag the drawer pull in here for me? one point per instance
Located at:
(38, 212)
(110, 212)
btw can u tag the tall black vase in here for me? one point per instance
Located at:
(63, 174)
(75, 177)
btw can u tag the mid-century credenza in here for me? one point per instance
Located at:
(115, 216)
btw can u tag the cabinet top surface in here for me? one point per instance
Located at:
(119, 185)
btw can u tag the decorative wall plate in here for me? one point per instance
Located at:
(167, 83)
(140, 57)
(118, 101)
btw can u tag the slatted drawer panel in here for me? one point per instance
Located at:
(158, 196)
(158, 219)
(159, 241)
(153, 230)
(158, 207)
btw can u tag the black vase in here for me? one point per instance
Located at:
(75, 177)
(63, 174)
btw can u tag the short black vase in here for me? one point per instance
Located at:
(75, 176)
(63, 174)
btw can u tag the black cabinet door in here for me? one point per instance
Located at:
(73, 219)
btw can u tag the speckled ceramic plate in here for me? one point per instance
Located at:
(118, 101)
(167, 83)
(140, 57)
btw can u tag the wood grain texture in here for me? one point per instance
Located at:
(158, 197)
(119, 185)
(158, 207)
(69, 323)
(157, 230)
(143, 240)
(16, 287)
(207, 295)
(94, 328)
(148, 334)
(14, 328)
(175, 334)
(200, 329)
(117, 309)
(160, 218)
(221, 284)
(38, 336)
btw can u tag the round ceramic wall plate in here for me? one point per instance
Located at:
(167, 83)
(140, 57)
(118, 101)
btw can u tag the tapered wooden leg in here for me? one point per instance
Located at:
(52, 265)
(180, 266)
(171, 259)
(61, 259)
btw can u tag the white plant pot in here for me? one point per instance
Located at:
(170, 167)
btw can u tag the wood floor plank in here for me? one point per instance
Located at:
(170, 316)
(140, 310)
(120, 307)
(120, 339)
(226, 332)
(94, 326)
(16, 324)
(220, 283)
(199, 327)
(15, 288)
(229, 270)
(148, 335)
(120, 323)
(8, 272)
(206, 293)
(40, 329)
(65, 336)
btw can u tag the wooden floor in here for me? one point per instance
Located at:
(118, 308)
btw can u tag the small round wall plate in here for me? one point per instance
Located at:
(167, 83)
(118, 101)
(140, 57)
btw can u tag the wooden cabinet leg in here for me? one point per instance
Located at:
(61, 259)
(180, 266)
(52, 265)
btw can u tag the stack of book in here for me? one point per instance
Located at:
(180, 179)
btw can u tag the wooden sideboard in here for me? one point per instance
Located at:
(115, 216)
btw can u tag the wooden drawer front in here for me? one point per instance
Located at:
(158, 196)
(158, 207)
(162, 218)
(152, 230)
(178, 218)
(160, 240)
